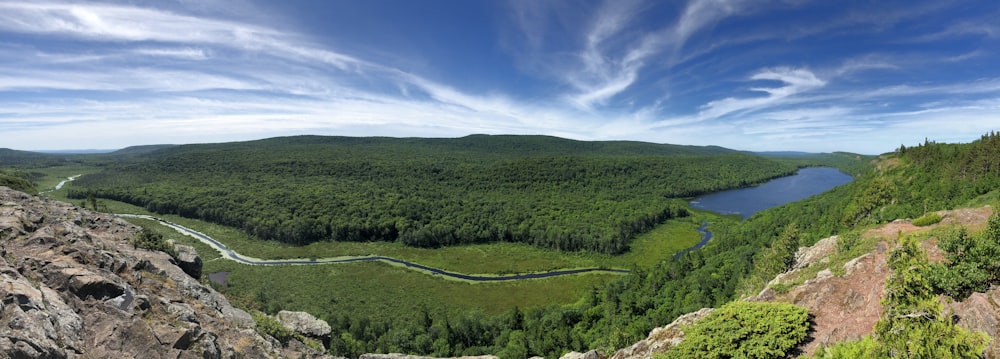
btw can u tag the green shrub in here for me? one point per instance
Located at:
(867, 347)
(271, 327)
(151, 240)
(848, 240)
(927, 219)
(745, 330)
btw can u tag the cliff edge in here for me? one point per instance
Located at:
(72, 286)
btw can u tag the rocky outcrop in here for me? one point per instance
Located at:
(662, 338)
(846, 305)
(72, 286)
(981, 312)
(305, 324)
(593, 354)
(189, 260)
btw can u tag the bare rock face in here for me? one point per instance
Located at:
(72, 286)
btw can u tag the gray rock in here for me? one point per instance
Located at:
(188, 260)
(72, 286)
(305, 324)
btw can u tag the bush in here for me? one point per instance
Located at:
(271, 327)
(745, 330)
(847, 241)
(927, 219)
(151, 240)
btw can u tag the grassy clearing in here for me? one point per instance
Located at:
(53, 175)
(382, 291)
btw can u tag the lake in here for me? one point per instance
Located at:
(747, 201)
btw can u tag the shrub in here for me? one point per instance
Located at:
(271, 327)
(927, 219)
(151, 240)
(848, 240)
(745, 330)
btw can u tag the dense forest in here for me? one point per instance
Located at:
(548, 192)
(736, 261)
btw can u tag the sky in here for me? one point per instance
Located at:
(797, 75)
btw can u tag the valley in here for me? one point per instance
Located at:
(383, 306)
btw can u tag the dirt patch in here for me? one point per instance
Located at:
(972, 218)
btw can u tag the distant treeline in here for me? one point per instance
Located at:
(549, 192)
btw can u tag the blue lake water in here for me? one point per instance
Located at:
(747, 201)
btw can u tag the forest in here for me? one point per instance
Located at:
(549, 179)
(905, 184)
(552, 193)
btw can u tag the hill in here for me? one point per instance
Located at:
(16, 158)
(549, 192)
(138, 150)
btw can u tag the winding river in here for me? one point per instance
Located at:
(233, 255)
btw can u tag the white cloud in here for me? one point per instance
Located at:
(187, 53)
(795, 81)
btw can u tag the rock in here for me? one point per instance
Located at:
(305, 324)
(72, 286)
(979, 313)
(807, 256)
(86, 284)
(662, 338)
(188, 260)
(593, 354)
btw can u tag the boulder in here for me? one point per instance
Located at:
(188, 260)
(305, 324)
(593, 354)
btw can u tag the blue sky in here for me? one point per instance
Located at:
(803, 75)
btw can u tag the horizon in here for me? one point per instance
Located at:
(109, 150)
(799, 76)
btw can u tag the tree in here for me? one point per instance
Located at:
(912, 324)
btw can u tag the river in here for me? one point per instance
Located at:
(745, 202)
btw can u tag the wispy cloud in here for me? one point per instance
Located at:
(701, 72)
(794, 81)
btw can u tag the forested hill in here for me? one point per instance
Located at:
(550, 192)
(15, 158)
(481, 146)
